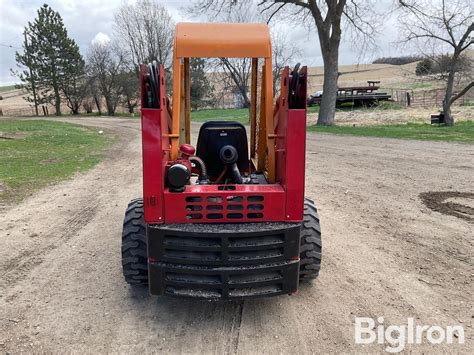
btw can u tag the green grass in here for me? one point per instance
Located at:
(137, 114)
(313, 109)
(42, 152)
(231, 114)
(7, 88)
(468, 102)
(388, 105)
(461, 132)
(349, 106)
(419, 85)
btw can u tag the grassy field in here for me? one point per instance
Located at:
(7, 88)
(232, 114)
(461, 132)
(35, 153)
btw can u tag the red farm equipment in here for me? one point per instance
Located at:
(227, 220)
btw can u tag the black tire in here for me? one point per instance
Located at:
(310, 242)
(134, 252)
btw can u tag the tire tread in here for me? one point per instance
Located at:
(310, 242)
(134, 248)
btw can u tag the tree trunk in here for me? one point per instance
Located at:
(57, 97)
(35, 95)
(57, 102)
(327, 110)
(110, 106)
(245, 97)
(98, 104)
(448, 118)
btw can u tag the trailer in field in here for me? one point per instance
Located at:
(356, 95)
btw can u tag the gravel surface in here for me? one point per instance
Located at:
(385, 254)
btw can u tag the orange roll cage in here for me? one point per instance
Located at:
(228, 40)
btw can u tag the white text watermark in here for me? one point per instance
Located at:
(369, 331)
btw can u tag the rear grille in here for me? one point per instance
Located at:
(262, 280)
(234, 248)
(223, 260)
(224, 207)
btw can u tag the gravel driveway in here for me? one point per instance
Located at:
(385, 254)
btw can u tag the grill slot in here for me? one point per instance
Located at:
(255, 291)
(234, 198)
(215, 216)
(193, 199)
(193, 208)
(178, 241)
(256, 254)
(194, 216)
(266, 240)
(255, 215)
(214, 199)
(193, 292)
(235, 207)
(191, 255)
(235, 215)
(214, 207)
(255, 198)
(255, 277)
(190, 278)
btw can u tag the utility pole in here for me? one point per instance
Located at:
(30, 61)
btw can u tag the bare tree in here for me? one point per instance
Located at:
(440, 25)
(328, 18)
(148, 30)
(74, 91)
(93, 95)
(238, 70)
(105, 63)
(130, 84)
(283, 54)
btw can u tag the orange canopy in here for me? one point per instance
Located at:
(214, 40)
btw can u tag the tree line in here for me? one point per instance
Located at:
(406, 59)
(440, 25)
(54, 72)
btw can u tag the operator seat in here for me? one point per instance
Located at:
(213, 135)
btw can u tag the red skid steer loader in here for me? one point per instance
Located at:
(226, 219)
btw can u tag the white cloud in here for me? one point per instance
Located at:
(100, 38)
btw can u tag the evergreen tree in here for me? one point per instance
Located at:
(424, 67)
(200, 86)
(29, 74)
(73, 84)
(55, 66)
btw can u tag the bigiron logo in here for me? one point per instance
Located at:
(397, 336)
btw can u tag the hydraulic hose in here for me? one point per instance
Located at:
(200, 162)
(236, 173)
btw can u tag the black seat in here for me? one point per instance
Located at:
(214, 135)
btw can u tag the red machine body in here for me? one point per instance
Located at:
(281, 201)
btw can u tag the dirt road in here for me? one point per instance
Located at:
(385, 254)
